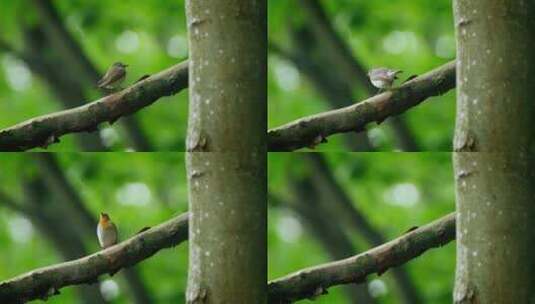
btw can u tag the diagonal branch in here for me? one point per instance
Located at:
(315, 281)
(76, 210)
(349, 67)
(69, 52)
(345, 209)
(45, 130)
(44, 282)
(305, 132)
(308, 203)
(312, 130)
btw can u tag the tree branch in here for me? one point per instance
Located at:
(349, 67)
(308, 202)
(45, 130)
(71, 54)
(308, 131)
(315, 281)
(312, 130)
(44, 282)
(338, 204)
(55, 225)
(76, 210)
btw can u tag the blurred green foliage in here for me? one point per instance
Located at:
(148, 35)
(414, 36)
(394, 191)
(136, 189)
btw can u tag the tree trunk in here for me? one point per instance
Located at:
(495, 76)
(227, 119)
(495, 237)
(495, 186)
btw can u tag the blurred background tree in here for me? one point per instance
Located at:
(49, 208)
(327, 207)
(322, 208)
(53, 52)
(321, 50)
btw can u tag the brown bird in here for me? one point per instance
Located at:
(113, 77)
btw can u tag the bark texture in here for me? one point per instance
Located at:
(496, 75)
(495, 237)
(228, 72)
(226, 159)
(495, 187)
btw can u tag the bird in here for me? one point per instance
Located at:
(383, 78)
(113, 77)
(106, 231)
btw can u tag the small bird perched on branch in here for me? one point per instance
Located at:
(113, 77)
(383, 78)
(106, 231)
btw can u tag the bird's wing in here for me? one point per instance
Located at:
(111, 76)
(106, 76)
(115, 232)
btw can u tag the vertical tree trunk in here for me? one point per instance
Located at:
(495, 235)
(495, 75)
(226, 159)
(495, 118)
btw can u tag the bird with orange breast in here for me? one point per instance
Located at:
(106, 231)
